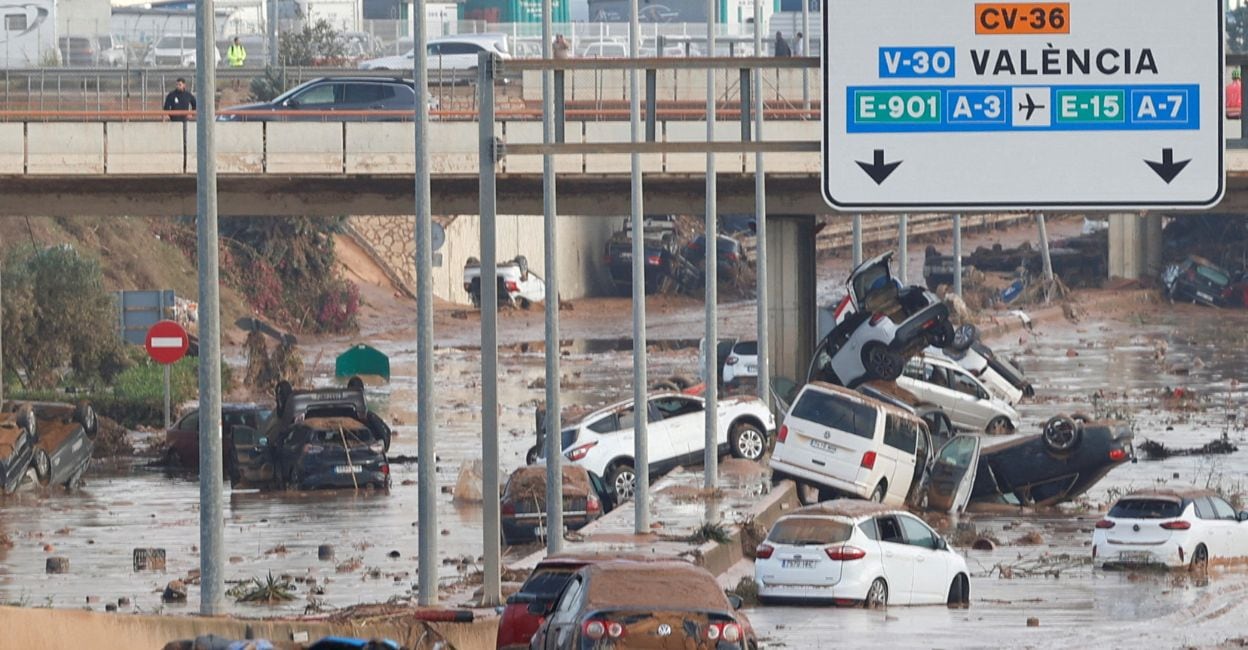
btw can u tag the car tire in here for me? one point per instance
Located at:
(943, 335)
(877, 595)
(623, 480)
(26, 419)
(1061, 434)
(881, 362)
(999, 426)
(877, 495)
(959, 592)
(963, 337)
(84, 414)
(1200, 560)
(748, 442)
(530, 456)
(43, 466)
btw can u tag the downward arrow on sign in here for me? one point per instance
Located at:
(877, 169)
(1167, 169)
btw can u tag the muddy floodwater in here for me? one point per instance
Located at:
(1131, 358)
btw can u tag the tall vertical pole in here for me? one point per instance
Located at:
(903, 247)
(857, 240)
(491, 586)
(211, 506)
(554, 411)
(641, 435)
(1, 333)
(760, 221)
(272, 35)
(805, 52)
(1044, 247)
(711, 258)
(166, 385)
(957, 253)
(427, 489)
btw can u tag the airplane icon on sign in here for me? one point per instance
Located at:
(1031, 106)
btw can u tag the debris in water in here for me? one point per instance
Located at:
(1154, 450)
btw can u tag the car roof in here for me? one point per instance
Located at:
(361, 78)
(668, 585)
(892, 390)
(1178, 492)
(851, 508)
(860, 397)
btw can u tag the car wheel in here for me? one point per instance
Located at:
(26, 419)
(959, 592)
(963, 337)
(999, 426)
(530, 457)
(1200, 559)
(881, 362)
(524, 303)
(942, 335)
(748, 442)
(623, 479)
(84, 414)
(877, 595)
(1061, 434)
(878, 494)
(43, 466)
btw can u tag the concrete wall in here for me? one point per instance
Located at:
(672, 85)
(791, 306)
(581, 242)
(12, 156)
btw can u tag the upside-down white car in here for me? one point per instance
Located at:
(852, 552)
(602, 442)
(1176, 527)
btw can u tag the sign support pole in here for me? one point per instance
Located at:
(641, 434)
(903, 247)
(491, 584)
(957, 253)
(166, 373)
(710, 259)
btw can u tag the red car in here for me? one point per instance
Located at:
(182, 451)
(526, 608)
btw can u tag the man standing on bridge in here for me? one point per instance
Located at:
(236, 55)
(179, 99)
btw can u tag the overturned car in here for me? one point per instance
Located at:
(17, 438)
(315, 439)
(64, 442)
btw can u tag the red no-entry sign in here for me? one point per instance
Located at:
(166, 342)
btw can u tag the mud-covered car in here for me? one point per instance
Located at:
(644, 605)
(523, 502)
(1069, 456)
(17, 446)
(1197, 280)
(64, 442)
(182, 439)
(323, 438)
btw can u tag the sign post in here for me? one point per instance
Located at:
(166, 343)
(971, 105)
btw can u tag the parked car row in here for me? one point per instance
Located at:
(48, 442)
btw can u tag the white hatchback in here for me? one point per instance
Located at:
(856, 553)
(1182, 527)
(935, 378)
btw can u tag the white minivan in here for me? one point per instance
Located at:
(835, 441)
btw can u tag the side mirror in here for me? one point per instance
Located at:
(736, 601)
(291, 103)
(1243, 516)
(941, 544)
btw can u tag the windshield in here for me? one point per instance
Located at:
(1146, 509)
(809, 531)
(176, 43)
(836, 412)
(545, 584)
(1213, 275)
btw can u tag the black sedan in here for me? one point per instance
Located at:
(64, 443)
(1197, 280)
(1059, 464)
(17, 437)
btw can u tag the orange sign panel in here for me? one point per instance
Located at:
(1022, 18)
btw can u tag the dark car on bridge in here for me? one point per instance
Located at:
(318, 99)
(324, 438)
(17, 439)
(523, 503)
(64, 442)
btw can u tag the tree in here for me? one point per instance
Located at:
(59, 318)
(311, 44)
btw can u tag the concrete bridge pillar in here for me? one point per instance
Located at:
(1134, 245)
(791, 305)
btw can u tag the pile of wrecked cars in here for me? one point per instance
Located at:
(886, 393)
(319, 438)
(48, 442)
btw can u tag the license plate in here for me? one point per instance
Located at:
(751, 370)
(347, 469)
(823, 446)
(1135, 557)
(1204, 296)
(797, 564)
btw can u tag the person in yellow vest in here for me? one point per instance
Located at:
(236, 55)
